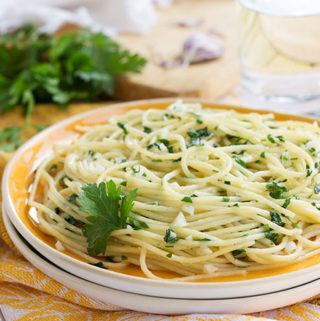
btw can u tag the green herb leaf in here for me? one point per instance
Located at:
(37, 67)
(187, 199)
(105, 216)
(276, 190)
(275, 218)
(99, 265)
(239, 161)
(147, 130)
(123, 127)
(170, 236)
(196, 134)
(286, 202)
(271, 139)
(237, 140)
(239, 254)
(290, 220)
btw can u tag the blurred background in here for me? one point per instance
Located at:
(86, 53)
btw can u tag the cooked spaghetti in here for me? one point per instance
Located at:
(218, 192)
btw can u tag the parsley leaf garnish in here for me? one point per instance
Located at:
(239, 161)
(237, 140)
(276, 190)
(98, 264)
(147, 130)
(275, 218)
(239, 254)
(170, 236)
(271, 139)
(196, 134)
(108, 212)
(290, 220)
(123, 127)
(270, 235)
(286, 202)
(187, 199)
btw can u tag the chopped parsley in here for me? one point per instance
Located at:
(290, 220)
(99, 265)
(156, 160)
(147, 130)
(239, 161)
(227, 182)
(196, 134)
(169, 255)
(170, 236)
(239, 254)
(153, 144)
(286, 202)
(310, 149)
(237, 140)
(123, 127)
(271, 139)
(315, 205)
(124, 257)
(124, 183)
(275, 218)
(187, 199)
(276, 190)
(204, 240)
(166, 143)
(270, 235)
(225, 199)
(91, 152)
(309, 171)
(135, 171)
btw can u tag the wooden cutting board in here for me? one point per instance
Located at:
(208, 80)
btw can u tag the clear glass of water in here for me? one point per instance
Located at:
(280, 49)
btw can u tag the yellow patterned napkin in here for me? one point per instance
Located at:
(28, 294)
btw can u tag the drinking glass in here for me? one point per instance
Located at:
(280, 49)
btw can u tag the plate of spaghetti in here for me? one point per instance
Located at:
(182, 199)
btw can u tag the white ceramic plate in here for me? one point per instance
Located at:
(152, 304)
(167, 288)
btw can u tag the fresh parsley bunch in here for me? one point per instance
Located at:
(36, 67)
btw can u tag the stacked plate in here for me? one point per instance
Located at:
(153, 296)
